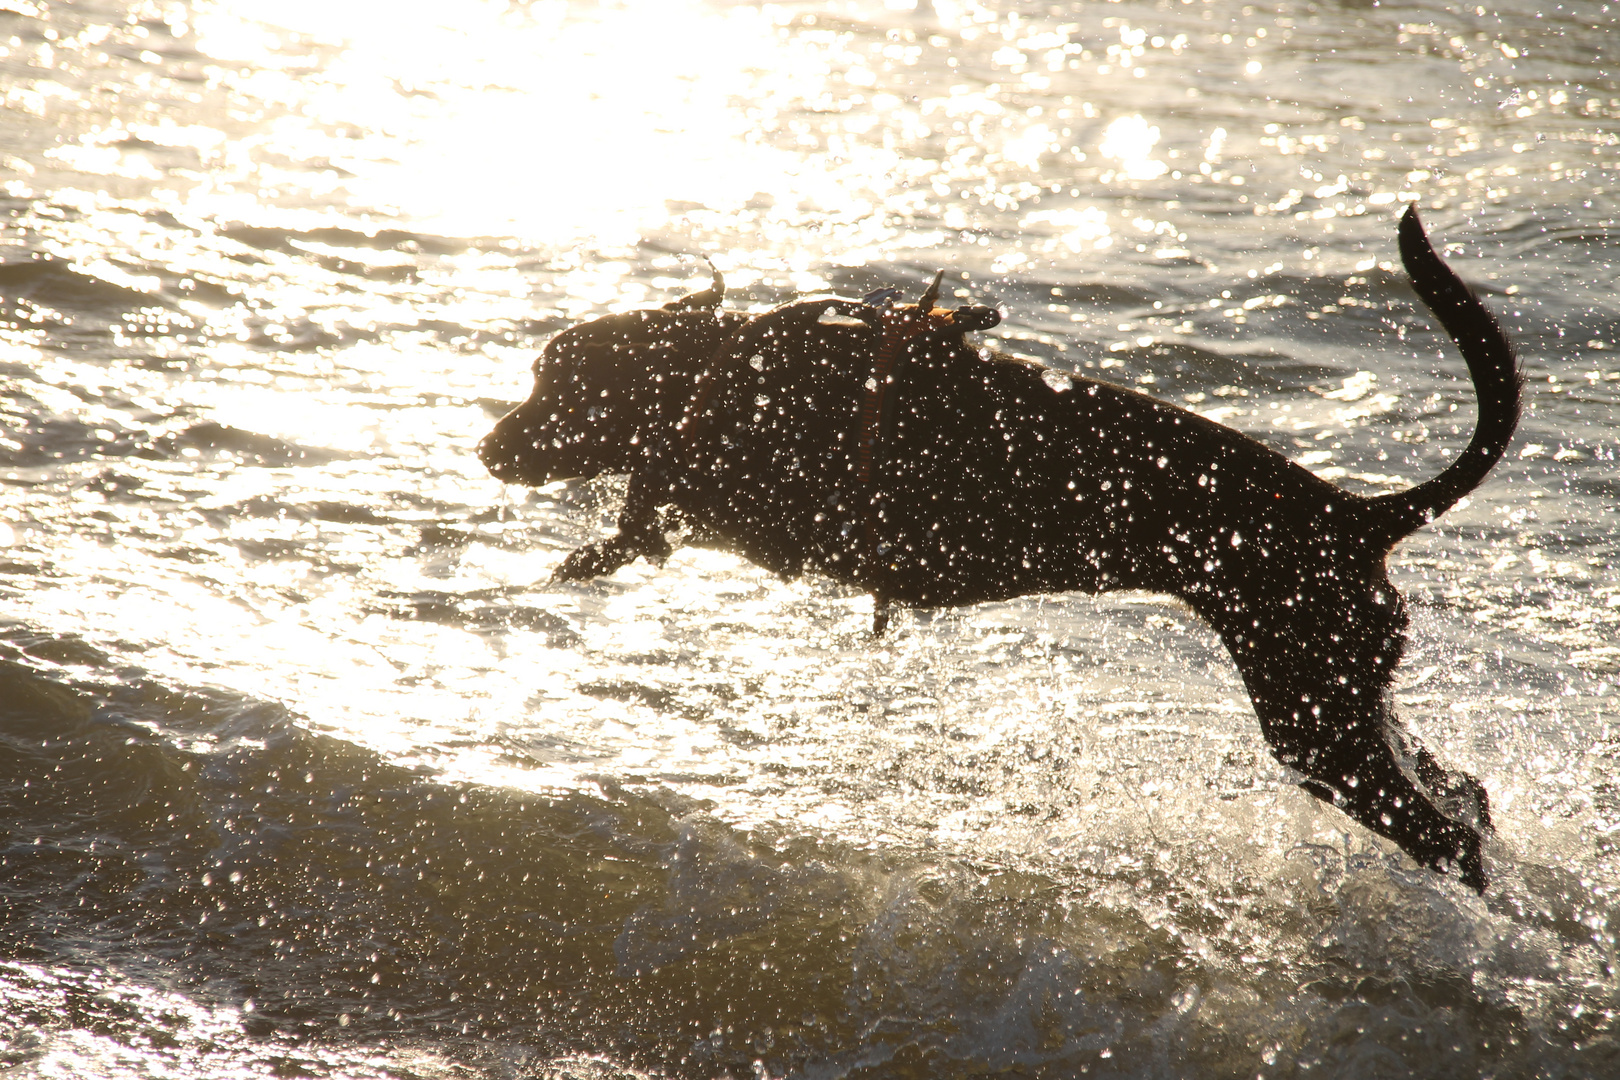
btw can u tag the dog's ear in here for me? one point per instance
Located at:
(709, 298)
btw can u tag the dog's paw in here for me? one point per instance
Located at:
(1458, 795)
(1462, 797)
(595, 560)
(1470, 862)
(651, 546)
(606, 556)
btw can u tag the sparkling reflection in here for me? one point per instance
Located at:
(270, 271)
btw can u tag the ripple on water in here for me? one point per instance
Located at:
(307, 769)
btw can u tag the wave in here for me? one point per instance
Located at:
(206, 848)
(246, 447)
(58, 283)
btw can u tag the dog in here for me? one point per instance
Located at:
(871, 442)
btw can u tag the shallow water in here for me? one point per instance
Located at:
(307, 771)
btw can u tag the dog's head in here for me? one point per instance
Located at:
(603, 390)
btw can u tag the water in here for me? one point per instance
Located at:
(307, 772)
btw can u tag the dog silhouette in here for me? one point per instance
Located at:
(869, 441)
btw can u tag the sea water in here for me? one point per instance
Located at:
(307, 771)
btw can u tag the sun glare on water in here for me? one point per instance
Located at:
(544, 125)
(1130, 141)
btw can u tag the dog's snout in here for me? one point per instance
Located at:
(509, 452)
(497, 458)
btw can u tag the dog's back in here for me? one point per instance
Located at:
(997, 477)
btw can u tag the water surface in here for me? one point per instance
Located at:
(307, 771)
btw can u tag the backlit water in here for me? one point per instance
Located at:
(306, 771)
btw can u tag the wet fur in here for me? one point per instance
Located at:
(997, 478)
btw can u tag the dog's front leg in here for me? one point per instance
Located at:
(641, 533)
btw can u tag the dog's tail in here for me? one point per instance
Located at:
(1498, 382)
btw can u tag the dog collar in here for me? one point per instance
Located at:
(897, 328)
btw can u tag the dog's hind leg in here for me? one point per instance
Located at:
(1359, 773)
(1320, 673)
(1347, 760)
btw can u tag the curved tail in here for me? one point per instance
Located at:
(1498, 382)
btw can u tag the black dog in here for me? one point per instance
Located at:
(870, 442)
